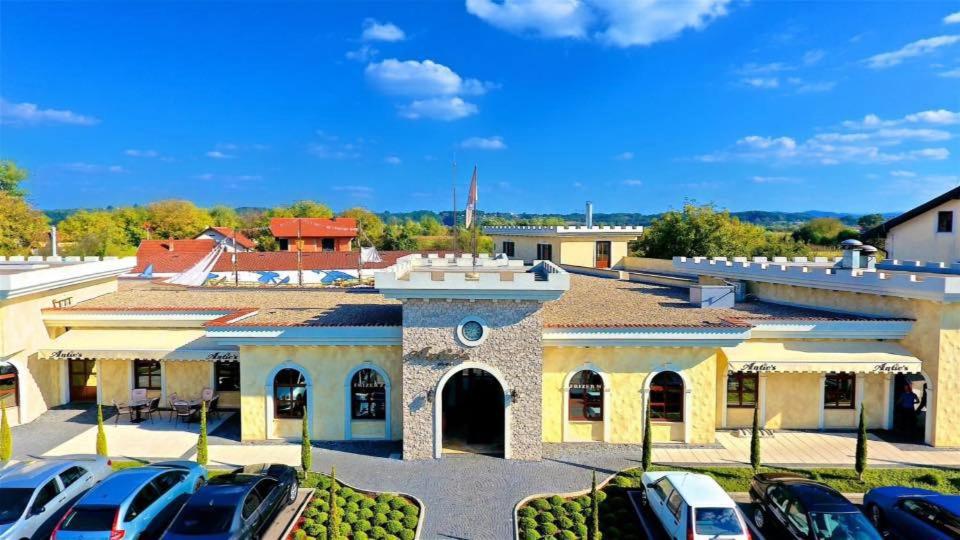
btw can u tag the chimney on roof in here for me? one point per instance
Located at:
(851, 254)
(589, 214)
(53, 241)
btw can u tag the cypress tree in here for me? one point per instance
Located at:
(101, 435)
(333, 522)
(861, 464)
(202, 439)
(6, 436)
(306, 451)
(647, 440)
(755, 440)
(594, 510)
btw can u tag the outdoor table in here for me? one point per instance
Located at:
(136, 407)
(194, 405)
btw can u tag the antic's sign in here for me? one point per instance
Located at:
(756, 367)
(890, 367)
(66, 355)
(224, 355)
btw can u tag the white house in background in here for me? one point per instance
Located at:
(928, 232)
(228, 236)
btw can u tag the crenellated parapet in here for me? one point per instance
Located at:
(564, 230)
(821, 273)
(21, 276)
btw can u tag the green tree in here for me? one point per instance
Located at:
(202, 452)
(755, 439)
(594, 509)
(823, 232)
(11, 177)
(647, 452)
(306, 449)
(870, 221)
(22, 228)
(177, 219)
(92, 233)
(224, 216)
(333, 521)
(101, 435)
(431, 227)
(861, 459)
(309, 209)
(397, 238)
(133, 221)
(371, 224)
(6, 436)
(700, 231)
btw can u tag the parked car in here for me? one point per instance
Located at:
(35, 494)
(692, 506)
(802, 508)
(132, 504)
(236, 506)
(913, 513)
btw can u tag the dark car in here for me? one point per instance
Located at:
(239, 505)
(798, 507)
(912, 513)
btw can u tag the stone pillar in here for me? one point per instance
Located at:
(511, 349)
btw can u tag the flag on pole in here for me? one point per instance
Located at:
(471, 200)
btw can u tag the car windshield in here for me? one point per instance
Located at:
(843, 526)
(90, 518)
(714, 521)
(13, 501)
(203, 520)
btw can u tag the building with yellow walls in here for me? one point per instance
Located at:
(928, 233)
(499, 356)
(585, 246)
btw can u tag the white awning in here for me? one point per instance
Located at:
(821, 357)
(137, 343)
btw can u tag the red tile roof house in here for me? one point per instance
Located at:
(314, 234)
(170, 257)
(228, 235)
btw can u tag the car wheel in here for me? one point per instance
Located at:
(758, 517)
(292, 496)
(876, 516)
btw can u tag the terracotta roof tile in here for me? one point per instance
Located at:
(313, 227)
(242, 239)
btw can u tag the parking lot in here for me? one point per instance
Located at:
(654, 531)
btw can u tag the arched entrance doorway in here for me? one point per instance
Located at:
(472, 413)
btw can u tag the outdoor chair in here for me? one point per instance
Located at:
(152, 407)
(206, 394)
(171, 399)
(182, 411)
(213, 407)
(138, 394)
(121, 408)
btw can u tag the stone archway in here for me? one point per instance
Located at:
(472, 413)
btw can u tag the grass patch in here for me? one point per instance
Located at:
(557, 517)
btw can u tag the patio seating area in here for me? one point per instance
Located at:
(142, 408)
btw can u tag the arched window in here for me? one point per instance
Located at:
(586, 396)
(368, 395)
(666, 397)
(9, 385)
(289, 394)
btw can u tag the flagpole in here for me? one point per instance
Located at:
(476, 220)
(453, 227)
(299, 256)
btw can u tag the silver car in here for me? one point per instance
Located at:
(35, 494)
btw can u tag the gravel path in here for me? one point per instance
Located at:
(470, 496)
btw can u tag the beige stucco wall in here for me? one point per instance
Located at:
(569, 250)
(646, 264)
(918, 239)
(327, 368)
(116, 380)
(934, 339)
(627, 368)
(187, 379)
(22, 333)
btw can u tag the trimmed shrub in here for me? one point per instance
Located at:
(306, 450)
(580, 518)
(347, 492)
(315, 529)
(360, 535)
(367, 502)
(366, 513)
(581, 530)
(531, 534)
(572, 507)
(411, 522)
(393, 527)
(565, 523)
(299, 534)
(540, 504)
(202, 452)
(526, 512)
(411, 510)
(322, 506)
(527, 523)
(397, 502)
(378, 532)
(351, 518)
(546, 517)
(362, 525)
(380, 519)
(384, 498)
(555, 500)
(101, 435)
(395, 515)
(568, 535)
(583, 501)
(322, 517)
(345, 530)
(381, 508)
(548, 528)
(352, 508)
(407, 534)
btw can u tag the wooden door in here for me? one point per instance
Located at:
(603, 254)
(83, 379)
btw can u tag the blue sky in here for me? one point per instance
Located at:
(848, 106)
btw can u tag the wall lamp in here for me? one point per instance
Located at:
(514, 395)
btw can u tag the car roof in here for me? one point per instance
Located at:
(120, 486)
(224, 490)
(699, 490)
(816, 497)
(31, 474)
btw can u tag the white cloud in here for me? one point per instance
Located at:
(775, 180)
(762, 82)
(426, 78)
(903, 174)
(953, 18)
(917, 48)
(815, 87)
(217, 154)
(813, 57)
(441, 108)
(939, 116)
(332, 148)
(951, 74)
(360, 192)
(376, 31)
(133, 152)
(632, 182)
(613, 22)
(30, 113)
(364, 54)
(942, 117)
(91, 168)
(484, 143)
(393, 160)
(229, 177)
(624, 156)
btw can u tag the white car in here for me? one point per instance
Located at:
(692, 507)
(35, 494)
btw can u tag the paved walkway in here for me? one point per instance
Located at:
(51, 429)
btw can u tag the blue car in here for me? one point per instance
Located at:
(914, 513)
(132, 504)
